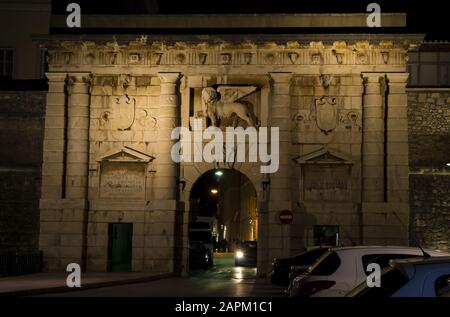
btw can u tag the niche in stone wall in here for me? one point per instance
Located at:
(123, 174)
(325, 176)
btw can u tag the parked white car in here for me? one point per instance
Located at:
(417, 277)
(340, 270)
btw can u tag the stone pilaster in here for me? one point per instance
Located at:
(280, 182)
(63, 203)
(54, 147)
(385, 209)
(78, 135)
(161, 222)
(373, 172)
(397, 139)
(168, 118)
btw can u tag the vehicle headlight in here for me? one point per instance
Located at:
(239, 254)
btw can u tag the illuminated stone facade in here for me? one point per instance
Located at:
(341, 107)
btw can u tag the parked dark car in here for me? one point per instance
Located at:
(199, 255)
(246, 254)
(281, 268)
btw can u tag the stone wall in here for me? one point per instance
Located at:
(429, 152)
(21, 137)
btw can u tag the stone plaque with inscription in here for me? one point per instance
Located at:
(329, 183)
(122, 180)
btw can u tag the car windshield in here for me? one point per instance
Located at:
(392, 279)
(308, 257)
(327, 264)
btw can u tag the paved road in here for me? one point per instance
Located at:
(223, 280)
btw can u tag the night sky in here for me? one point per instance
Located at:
(429, 16)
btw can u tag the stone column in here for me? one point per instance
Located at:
(53, 161)
(74, 230)
(397, 158)
(280, 182)
(373, 138)
(168, 118)
(162, 227)
(63, 212)
(78, 136)
(397, 139)
(53, 171)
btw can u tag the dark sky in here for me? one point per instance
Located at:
(428, 16)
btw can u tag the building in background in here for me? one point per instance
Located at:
(429, 144)
(22, 110)
(20, 55)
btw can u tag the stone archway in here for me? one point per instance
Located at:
(191, 172)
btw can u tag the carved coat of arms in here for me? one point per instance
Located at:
(326, 114)
(124, 109)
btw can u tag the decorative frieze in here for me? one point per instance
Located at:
(269, 53)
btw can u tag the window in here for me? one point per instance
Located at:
(6, 63)
(442, 286)
(382, 259)
(391, 281)
(326, 235)
(326, 265)
(429, 69)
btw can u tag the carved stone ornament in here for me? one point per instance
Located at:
(270, 58)
(224, 102)
(248, 57)
(325, 80)
(124, 112)
(361, 57)
(225, 58)
(339, 55)
(134, 58)
(326, 114)
(202, 58)
(157, 56)
(90, 59)
(67, 57)
(385, 56)
(316, 58)
(180, 58)
(293, 56)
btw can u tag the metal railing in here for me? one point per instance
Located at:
(12, 263)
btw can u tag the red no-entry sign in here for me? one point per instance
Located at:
(286, 217)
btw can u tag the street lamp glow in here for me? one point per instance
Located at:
(214, 191)
(448, 164)
(219, 173)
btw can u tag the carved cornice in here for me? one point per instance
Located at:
(142, 52)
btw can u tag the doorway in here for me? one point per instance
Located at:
(120, 244)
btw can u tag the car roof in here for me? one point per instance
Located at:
(409, 266)
(382, 247)
(422, 260)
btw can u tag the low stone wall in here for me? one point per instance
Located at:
(429, 152)
(21, 137)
